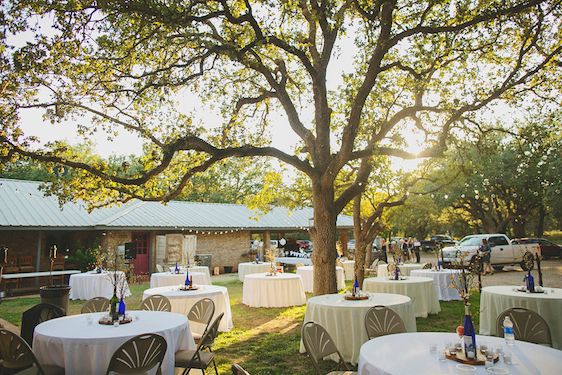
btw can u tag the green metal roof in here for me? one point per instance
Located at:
(23, 206)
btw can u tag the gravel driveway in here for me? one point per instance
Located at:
(513, 275)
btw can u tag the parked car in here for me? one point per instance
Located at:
(548, 248)
(305, 245)
(436, 242)
(503, 251)
(351, 245)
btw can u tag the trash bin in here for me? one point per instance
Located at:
(203, 260)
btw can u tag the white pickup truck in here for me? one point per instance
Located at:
(503, 251)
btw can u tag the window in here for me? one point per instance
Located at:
(496, 241)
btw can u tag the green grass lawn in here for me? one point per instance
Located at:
(263, 341)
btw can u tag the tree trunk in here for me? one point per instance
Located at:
(324, 234)
(539, 231)
(519, 227)
(358, 233)
(360, 251)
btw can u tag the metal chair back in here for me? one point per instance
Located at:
(527, 326)
(32, 317)
(318, 344)
(238, 370)
(156, 302)
(380, 321)
(96, 304)
(139, 354)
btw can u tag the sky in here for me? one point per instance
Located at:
(127, 143)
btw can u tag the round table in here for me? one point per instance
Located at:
(345, 320)
(348, 268)
(408, 353)
(419, 289)
(182, 301)
(174, 279)
(86, 348)
(88, 285)
(293, 260)
(282, 290)
(307, 274)
(405, 269)
(441, 282)
(249, 268)
(496, 299)
(203, 269)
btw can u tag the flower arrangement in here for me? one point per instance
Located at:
(467, 278)
(100, 258)
(270, 257)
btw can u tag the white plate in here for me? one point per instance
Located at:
(497, 370)
(466, 369)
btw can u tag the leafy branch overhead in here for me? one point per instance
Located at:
(427, 67)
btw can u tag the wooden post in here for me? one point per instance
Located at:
(538, 259)
(266, 239)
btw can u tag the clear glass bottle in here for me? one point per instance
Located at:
(508, 334)
(113, 302)
(469, 337)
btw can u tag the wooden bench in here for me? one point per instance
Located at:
(26, 275)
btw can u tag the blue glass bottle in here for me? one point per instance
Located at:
(530, 282)
(355, 290)
(469, 335)
(257, 258)
(438, 265)
(396, 273)
(177, 270)
(187, 280)
(122, 307)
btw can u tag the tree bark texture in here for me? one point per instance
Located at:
(324, 235)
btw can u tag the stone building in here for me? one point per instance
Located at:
(30, 223)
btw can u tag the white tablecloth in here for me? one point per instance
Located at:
(348, 268)
(408, 353)
(182, 301)
(250, 268)
(441, 282)
(203, 269)
(307, 273)
(405, 269)
(345, 320)
(84, 349)
(173, 279)
(419, 289)
(88, 285)
(282, 290)
(496, 299)
(294, 260)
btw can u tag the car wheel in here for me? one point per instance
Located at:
(497, 268)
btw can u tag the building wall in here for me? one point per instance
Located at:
(112, 239)
(227, 250)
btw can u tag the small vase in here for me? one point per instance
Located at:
(122, 307)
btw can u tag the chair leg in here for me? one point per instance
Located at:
(214, 364)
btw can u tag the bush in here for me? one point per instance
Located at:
(83, 259)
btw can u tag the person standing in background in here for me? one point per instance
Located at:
(485, 251)
(417, 246)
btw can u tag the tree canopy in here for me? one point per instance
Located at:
(423, 67)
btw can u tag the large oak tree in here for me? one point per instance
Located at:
(424, 66)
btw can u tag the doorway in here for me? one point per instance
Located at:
(141, 242)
